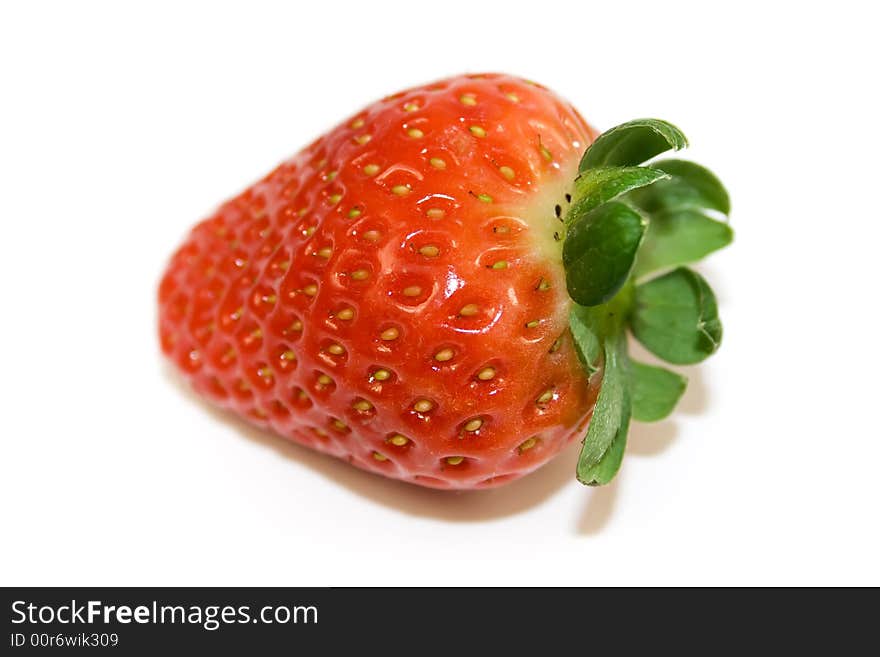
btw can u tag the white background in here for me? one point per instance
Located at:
(120, 126)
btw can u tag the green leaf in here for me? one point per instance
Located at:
(597, 186)
(680, 230)
(679, 238)
(604, 471)
(586, 338)
(632, 143)
(676, 317)
(688, 185)
(655, 391)
(599, 252)
(604, 443)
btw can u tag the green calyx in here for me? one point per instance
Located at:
(629, 230)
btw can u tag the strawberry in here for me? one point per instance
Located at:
(437, 289)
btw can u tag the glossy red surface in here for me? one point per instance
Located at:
(392, 294)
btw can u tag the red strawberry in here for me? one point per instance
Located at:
(395, 294)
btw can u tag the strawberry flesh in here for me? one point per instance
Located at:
(393, 295)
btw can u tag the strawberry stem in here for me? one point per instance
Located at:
(627, 220)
